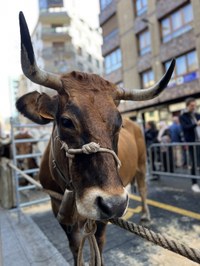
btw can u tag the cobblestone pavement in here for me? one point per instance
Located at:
(124, 248)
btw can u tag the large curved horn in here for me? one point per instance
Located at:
(29, 65)
(146, 94)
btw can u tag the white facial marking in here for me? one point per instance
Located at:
(87, 207)
(128, 188)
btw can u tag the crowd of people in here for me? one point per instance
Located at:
(184, 128)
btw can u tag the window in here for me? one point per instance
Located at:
(144, 42)
(147, 79)
(113, 61)
(177, 23)
(80, 51)
(58, 47)
(140, 7)
(186, 63)
(56, 27)
(111, 35)
(97, 63)
(105, 3)
(61, 66)
(80, 66)
(89, 58)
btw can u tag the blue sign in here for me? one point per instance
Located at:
(183, 79)
(191, 76)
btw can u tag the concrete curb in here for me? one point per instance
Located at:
(23, 243)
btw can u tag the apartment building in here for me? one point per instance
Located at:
(64, 42)
(140, 37)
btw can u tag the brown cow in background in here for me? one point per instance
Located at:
(87, 121)
(23, 149)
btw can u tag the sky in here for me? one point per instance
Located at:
(10, 40)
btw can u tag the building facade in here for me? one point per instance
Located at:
(140, 37)
(64, 42)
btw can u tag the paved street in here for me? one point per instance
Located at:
(175, 211)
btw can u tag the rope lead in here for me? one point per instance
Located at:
(158, 239)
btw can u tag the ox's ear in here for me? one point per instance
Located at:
(40, 108)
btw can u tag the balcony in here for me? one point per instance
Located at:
(144, 62)
(162, 9)
(61, 17)
(177, 46)
(110, 42)
(56, 33)
(67, 51)
(108, 12)
(114, 76)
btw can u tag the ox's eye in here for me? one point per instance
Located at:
(66, 122)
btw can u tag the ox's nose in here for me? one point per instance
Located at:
(111, 207)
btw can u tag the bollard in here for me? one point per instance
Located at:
(7, 188)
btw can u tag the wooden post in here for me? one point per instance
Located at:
(7, 188)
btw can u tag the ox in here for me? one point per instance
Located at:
(84, 111)
(22, 148)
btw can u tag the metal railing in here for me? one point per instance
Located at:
(17, 176)
(175, 159)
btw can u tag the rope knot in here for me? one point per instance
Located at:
(88, 148)
(91, 147)
(90, 228)
(65, 147)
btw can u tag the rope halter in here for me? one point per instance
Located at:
(88, 148)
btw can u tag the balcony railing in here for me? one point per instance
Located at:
(54, 52)
(56, 30)
(54, 17)
(177, 33)
(110, 42)
(109, 11)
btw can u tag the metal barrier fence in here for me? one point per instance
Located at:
(20, 189)
(175, 159)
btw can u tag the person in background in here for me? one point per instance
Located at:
(176, 135)
(151, 134)
(165, 151)
(190, 122)
(175, 130)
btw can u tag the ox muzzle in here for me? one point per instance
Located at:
(96, 203)
(100, 205)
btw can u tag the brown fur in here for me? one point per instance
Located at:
(132, 153)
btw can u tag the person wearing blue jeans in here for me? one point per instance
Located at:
(190, 123)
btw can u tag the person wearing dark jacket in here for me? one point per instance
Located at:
(151, 134)
(190, 123)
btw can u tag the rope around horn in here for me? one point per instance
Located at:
(156, 238)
